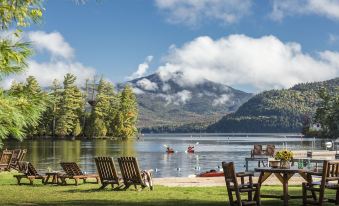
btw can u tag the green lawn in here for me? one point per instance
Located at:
(87, 194)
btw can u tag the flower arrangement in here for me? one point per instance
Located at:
(284, 155)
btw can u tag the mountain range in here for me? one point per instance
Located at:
(167, 106)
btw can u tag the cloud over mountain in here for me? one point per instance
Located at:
(239, 60)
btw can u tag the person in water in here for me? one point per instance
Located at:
(170, 150)
(190, 148)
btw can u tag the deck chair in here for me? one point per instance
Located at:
(18, 156)
(233, 186)
(329, 180)
(270, 149)
(257, 150)
(131, 174)
(5, 160)
(107, 172)
(73, 171)
(28, 172)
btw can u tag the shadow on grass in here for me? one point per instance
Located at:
(156, 203)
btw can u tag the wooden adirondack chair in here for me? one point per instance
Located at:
(107, 172)
(270, 149)
(73, 171)
(329, 180)
(18, 156)
(131, 173)
(233, 186)
(257, 150)
(29, 172)
(5, 160)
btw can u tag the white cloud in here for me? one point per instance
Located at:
(239, 60)
(46, 72)
(136, 90)
(54, 68)
(142, 69)
(147, 85)
(53, 43)
(192, 12)
(178, 98)
(333, 38)
(327, 8)
(221, 100)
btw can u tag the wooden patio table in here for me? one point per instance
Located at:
(284, 176)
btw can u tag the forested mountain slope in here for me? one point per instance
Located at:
(276, 110)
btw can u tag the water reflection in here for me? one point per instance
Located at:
(151, 154)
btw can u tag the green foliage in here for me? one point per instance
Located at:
(327, 113)
(277, 110)
(20, 110)
(71, 106)
(126, 118)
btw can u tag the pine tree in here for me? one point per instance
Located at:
(71, 108)
(101, 116)
(126, 118)
(16, 112)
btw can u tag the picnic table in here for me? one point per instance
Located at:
(284, 176)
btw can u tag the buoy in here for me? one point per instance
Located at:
(178, 169)
(156, 170)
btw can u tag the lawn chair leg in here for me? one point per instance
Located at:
(126, 187)
(337, 197)
(19, 180)
(30, 181)
(76, 181)
(103, 186)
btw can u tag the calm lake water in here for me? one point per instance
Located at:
(211, 150)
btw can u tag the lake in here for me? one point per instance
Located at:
(211, 150)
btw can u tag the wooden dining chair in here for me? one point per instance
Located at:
(329, 180)
(232, 185)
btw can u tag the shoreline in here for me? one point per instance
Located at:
(216, 181)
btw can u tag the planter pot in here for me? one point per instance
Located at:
(274, 163)
(285, 164)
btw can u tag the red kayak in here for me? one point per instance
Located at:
(190, 151)
(170, 151)
(211, 173)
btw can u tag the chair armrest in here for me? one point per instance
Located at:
(244, 174)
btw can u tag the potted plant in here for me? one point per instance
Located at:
(285, 156)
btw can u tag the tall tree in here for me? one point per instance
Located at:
(126, 117)
(16, 112)
(71, 108)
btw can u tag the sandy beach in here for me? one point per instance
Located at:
(215, 181)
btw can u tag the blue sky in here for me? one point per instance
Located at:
(115, 37)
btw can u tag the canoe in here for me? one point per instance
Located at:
(170, 152)
(190, 151)
(211, 173)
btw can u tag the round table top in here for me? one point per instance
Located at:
(279, 170)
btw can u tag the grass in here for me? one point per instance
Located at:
(87, 194)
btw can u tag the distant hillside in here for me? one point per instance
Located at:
(166, 106)
(276, 110)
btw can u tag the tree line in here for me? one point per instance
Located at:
(68, 111)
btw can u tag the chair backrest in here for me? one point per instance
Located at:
(231, 182)
(27, 168)
(71, 168)
(270, 149)
(6, 157)
(130, 171)
(331, 170)
(257, 149)
(106, 169)
(22, 155)
(15, 156)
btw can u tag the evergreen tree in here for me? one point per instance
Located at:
(126, 117)
(71, 108)
(101, 114)
(16, 112)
